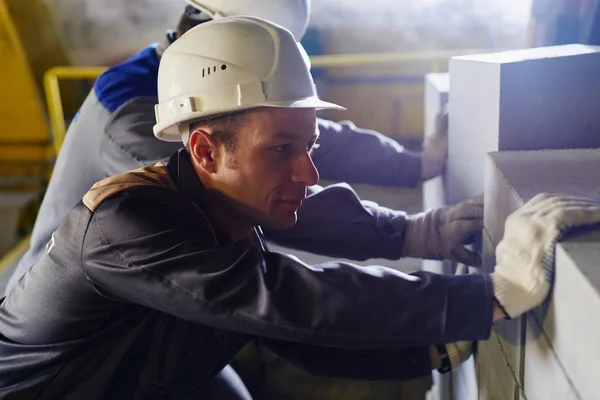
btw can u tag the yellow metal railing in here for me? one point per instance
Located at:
(436, 59)
(54, 100)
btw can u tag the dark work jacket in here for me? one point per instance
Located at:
(112, 134)
(140, 294)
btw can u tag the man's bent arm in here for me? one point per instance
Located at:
(334, 222)
(142, 251)
(347, 153)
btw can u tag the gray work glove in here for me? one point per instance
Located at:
(459, 352)
(525, 256)
(442, 233)
(435, 148)
(452, 355)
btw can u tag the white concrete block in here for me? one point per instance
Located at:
(541, 98)
(544, 375)
(495, 379)
(464, 381)
(568, 339)
(437, 87)
(512, 178)
(559, 348)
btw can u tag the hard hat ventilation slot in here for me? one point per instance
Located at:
(206, 71)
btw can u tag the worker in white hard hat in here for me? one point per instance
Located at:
(112, 133)
(158, 277)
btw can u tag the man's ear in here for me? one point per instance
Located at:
(201, 147)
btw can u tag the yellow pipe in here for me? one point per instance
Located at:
(14, 254)
(360, 59)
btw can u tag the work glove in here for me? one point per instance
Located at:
(525, 256)
(455, 354)
(435, 148)
(442, 233)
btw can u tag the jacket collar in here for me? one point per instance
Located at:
(186, 180)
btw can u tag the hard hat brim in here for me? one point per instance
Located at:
(169, 132)
(309, 102)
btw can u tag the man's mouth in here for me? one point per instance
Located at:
(291, 204)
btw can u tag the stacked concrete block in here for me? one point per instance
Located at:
(542, 98)
(437, 88)
(551, 352)
(571, 327)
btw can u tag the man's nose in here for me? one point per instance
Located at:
(305, 171)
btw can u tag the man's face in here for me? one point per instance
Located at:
(266, 174)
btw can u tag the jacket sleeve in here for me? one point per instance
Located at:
(334, 222)
(389, 364)
(142, 251)
(347, 153)
(128, 142)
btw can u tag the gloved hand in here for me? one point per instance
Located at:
(435, 148)
(455, 354)
(459, 352)
(441, 233)
(525, 256)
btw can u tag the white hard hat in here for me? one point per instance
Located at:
(293, 15)
(228, 65)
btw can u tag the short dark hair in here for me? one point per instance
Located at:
(191, 17)
(223, 127)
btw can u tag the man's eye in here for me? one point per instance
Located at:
(284, 149)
